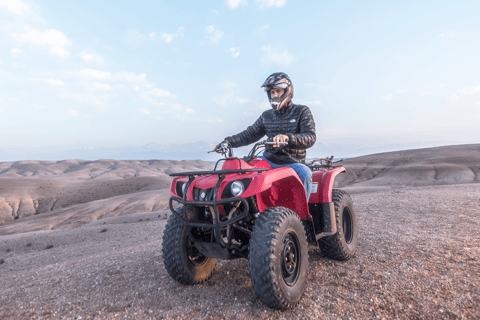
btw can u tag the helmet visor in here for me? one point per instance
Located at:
(281, 85)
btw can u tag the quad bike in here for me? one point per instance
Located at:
(249, 210)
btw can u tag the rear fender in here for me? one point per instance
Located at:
(282, 188)
(323, 184)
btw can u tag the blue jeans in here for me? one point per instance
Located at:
(303, 172)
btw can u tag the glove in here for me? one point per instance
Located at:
(222, 147)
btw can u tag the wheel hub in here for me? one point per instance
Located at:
(290, 258)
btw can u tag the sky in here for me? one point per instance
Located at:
(377, 75)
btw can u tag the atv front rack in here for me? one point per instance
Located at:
(218, 244)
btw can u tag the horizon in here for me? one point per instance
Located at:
(95, 76)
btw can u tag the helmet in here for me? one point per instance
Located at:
(279, 80)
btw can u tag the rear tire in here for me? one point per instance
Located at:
(184, 263)
(278, 258)
(342, 245)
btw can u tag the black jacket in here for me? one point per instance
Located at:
(294, 121)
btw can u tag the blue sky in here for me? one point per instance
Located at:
(377, 75)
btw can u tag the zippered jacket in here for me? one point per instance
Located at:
(294, 121)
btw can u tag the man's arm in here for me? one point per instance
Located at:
(252, 134)
(307, 137)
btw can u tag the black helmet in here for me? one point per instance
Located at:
(279, 80)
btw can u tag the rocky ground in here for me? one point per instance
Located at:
(418, 258)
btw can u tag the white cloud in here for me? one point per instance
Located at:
(144, 111)
(161, 93)
(16, 7)
(234, 4)
(447, 35)
(265, 4)
(168, 37)
(15, 52)
(92, 74)
(137, 80)
(427, 92)
(76, 114)
(91, 57)
(263, 30)
(234, 51)
(213, 11)
(469, 90)
(55, 41)
(214, 35)
(86, 98)
(389, 97)
(98, 86)
(280, 57)
(134, 36)
(54, 82)
(442, 85)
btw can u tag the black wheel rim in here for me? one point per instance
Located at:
(290, 258)
(194, 256)
(347, 225)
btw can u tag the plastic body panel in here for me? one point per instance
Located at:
(276, 187)
(324, 179)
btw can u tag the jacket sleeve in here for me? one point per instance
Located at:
(307, 136)
(252, 134)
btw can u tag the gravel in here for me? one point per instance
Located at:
(418, 258)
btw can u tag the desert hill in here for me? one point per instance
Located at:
(446, 165)
(46, 195)
(84, 191)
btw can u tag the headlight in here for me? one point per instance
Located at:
(237, 188)
(181, 186)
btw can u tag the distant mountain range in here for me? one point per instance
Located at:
(190, 151)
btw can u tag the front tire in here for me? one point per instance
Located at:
(342, 245)
(183, 262)
(278, 258)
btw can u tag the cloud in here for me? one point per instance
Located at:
(16, 7)
(15, 52)
(76, 114)
(263, 30)
(234, 4)
(427, 92)
(389, 97)
(213, 11)
(144, 111)
(91, 57)
(161, 93)
(92, 74)
(234, 51)
(53, 40)
(135, 36)
(168, 37)
(266, 4)
(98, 86)
(280, 57)
(447, 35)
(139, 81)
(86, 98)
(214, 35)
(469, 90)
(54, 82)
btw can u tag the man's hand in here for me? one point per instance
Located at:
(279, 138)
(222, 147)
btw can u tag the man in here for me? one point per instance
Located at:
(285, 122)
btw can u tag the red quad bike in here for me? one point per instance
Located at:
(249, 210)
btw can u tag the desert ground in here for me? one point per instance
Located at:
(82, 240)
